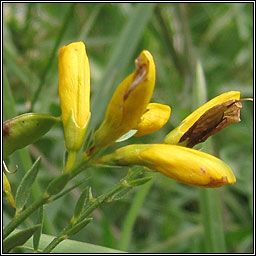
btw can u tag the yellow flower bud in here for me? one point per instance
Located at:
(207, 120)
(74, 93)
(154, 118)
(7, 190)
(128, 102)
(183, 164)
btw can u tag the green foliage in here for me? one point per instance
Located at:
(24, 188)
(19, 238)
(189, 42)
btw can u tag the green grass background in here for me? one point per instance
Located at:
(161, 216)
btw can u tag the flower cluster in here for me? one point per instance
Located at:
(130, 109)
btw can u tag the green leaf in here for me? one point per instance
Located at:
(23, 190)
(81, 202)
(132, 213)
(137, 182)
(57, 184)
(77, 227)
(200, 91)
(63, 193)
(69, 246)
(19, 238)
(37, 234)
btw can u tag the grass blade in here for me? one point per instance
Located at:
(132, 215)
(69, 246)
(214, 238)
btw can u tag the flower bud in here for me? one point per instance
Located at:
(128, 102)
(183, 164)
(207, 120)
(154, 118)
(74, 93)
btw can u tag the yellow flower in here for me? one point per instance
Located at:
(183, 164)
(7, 190)
(128, 102)
(154, 118)
(207, 120)
(74, 93)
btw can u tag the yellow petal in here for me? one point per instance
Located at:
(188, 165)
(74, 92)
(183, 164)
(128, 102)
(7, 190)
(154, 118)
(207, 120)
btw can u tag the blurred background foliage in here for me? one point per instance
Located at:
(217, 35)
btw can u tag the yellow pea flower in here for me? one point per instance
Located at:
(74, 93)
(183, 164)
(154, 118)
(7, 190)
(207, 120)
(128, 102)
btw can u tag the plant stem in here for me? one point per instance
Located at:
(92, 206)
(168, 40)
(71, 158)
(17, 220)
(132, 214)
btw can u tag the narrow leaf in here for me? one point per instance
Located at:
(139, 182)
(37, 234)
(200, 91)
(57, 184)
(19, 238)
(70, 246)
(81, 202)
(78, 226)
(24, 189)
(63, 193)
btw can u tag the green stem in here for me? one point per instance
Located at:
(54, 50)
(92, 206)
(71, 158)
(117, 188)
(168, 40)
(9, 112)
(17, 220)
(212, 220)
(132, 215)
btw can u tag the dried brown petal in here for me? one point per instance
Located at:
(212, 121)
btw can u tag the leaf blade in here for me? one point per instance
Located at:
(23, 190)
